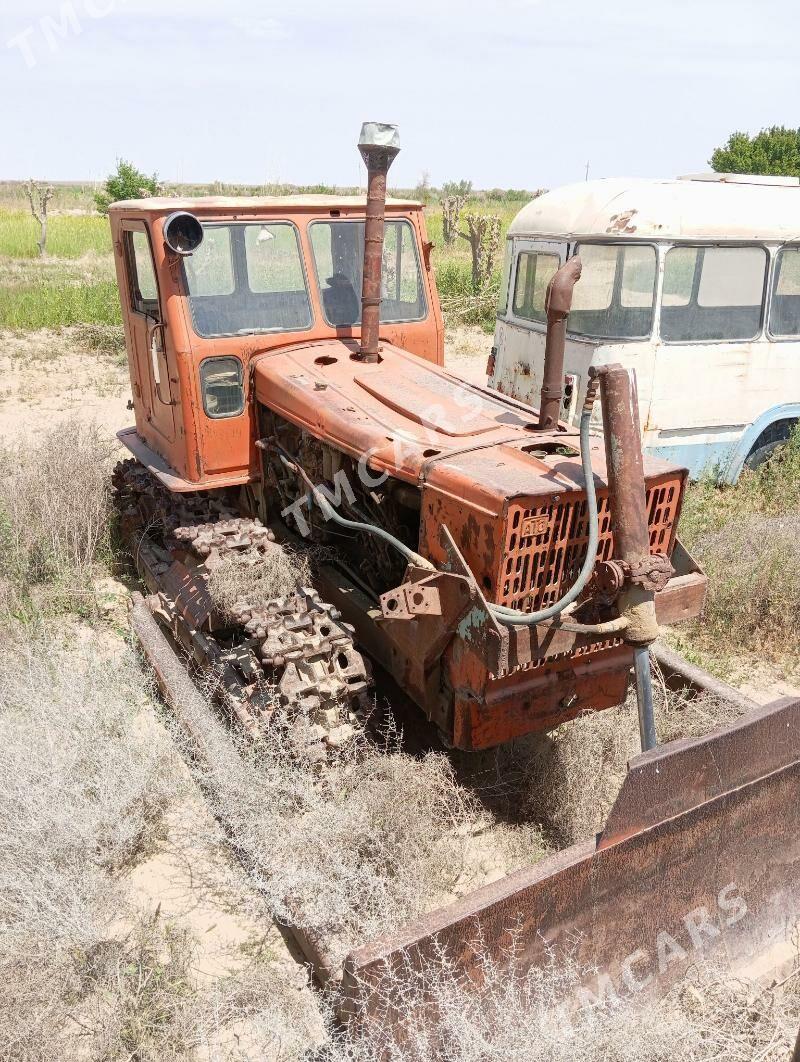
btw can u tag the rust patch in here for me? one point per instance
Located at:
(622, 222)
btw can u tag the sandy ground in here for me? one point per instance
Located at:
(466, 351)
(49, 378)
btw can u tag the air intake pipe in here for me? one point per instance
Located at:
(379, 144)
(557, 304)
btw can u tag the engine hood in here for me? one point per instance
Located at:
(416, 421)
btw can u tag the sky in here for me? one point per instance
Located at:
(514, 93)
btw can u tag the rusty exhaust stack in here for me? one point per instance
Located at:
(379, 143)
(637, 573)
(558, 301)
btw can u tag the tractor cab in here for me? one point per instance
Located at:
(206, 284)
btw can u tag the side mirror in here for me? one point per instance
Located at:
(183, 233)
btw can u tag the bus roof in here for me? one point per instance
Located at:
(704, 206)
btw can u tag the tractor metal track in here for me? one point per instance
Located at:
(290, 660)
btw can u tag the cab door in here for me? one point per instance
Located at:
(520, 330)
(148, 332)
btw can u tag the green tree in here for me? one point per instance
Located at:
(460, 189)
(126, 183)
(772, 151)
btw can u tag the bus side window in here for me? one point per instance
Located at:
(784, 314)
(712, 293)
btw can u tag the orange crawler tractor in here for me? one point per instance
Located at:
(286, 364)
(299, 443)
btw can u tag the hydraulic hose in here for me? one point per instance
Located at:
(612, 626)
(513, 617)
(510, 617)
(330, 513)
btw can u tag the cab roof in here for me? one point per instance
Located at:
(252, 204)
(715, 206)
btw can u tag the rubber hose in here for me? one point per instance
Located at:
(330, 513)
(512, 617)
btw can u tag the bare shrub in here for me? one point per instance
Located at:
(55, 510)
(483, 237)
(39, 197)
(82, 797)
(257, 579)
(451, 210)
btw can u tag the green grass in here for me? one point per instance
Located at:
(55, 292)
(45, 305)
(75, 283)
(68, 236)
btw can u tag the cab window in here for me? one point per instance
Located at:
(712, 293)
(534, 272)
(338, 248)
(141, 274)
(247, 278)
(615, 297)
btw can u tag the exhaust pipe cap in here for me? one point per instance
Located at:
(379, 144)
(381, 135)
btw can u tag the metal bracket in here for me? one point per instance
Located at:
(410, 600)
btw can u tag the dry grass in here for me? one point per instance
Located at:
(105, 339)
(379, 838)
(565, 782)
(574, 774)
(753, 564)
(746, 538)
(374, 845)
(82, 798)
(257, 580)
(55, 516)
(522, 1017)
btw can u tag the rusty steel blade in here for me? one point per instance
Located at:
(700, 858)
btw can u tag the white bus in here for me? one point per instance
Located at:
(693, 282)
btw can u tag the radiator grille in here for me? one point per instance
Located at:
(539, 568)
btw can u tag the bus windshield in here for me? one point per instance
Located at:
(615, 296)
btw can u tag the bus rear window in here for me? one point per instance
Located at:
(615, 296)
(712, 293)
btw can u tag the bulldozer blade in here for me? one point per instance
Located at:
(699, 859)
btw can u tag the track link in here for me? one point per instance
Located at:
(289, 661)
